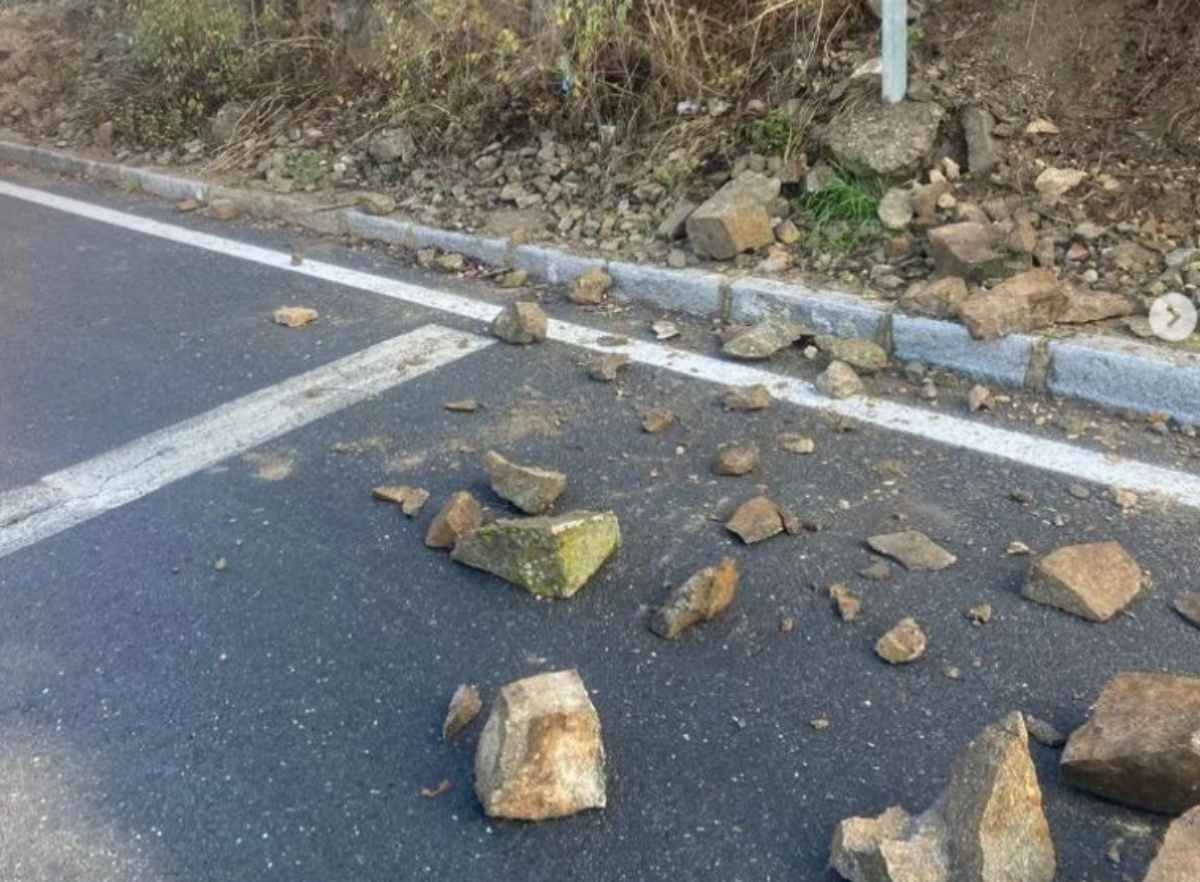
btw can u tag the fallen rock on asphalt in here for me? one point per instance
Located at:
(903, 644)
(467, 405)
(459, 516)
(541, 754)
(657, 419)
(756, 520)
(988, 825)
(590, 288)
(605, 368)
(1023, 303)
(513, 279)
(735, 219)
(847, 603)
(530, 489)
(294, 316)
(1044, 733)
(799, 444)
(410, 499)
(521, 324)
(747, 398)
(839, 381)
(736, 458)
(980, 615)
(223, 209)
(1187, 604)
(1178, 859)
(764, 339)
(1141, 746)
(701, 598)
(547, 556)
(879, 571)
(865, 356)
(1093, 581)
(913, 549)
(979, 398)
(465, 706)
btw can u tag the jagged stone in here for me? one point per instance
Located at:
(460, 515)
(530, 489)
(967, 250)
(701, 598)
(904, 643)
(465, 706)
(410, 499)
(939, 298)
(1094, 581)
(865, 356)
(736, 458)
(839, 380)
(756, 397)
(756, 520)
(590, 288)
(521, 324)
(913, 549)
(735, 219)
(1178, 859)
(764, 339)
(889, 139)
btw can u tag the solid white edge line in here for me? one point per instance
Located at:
(80, 492)
(1017, 447)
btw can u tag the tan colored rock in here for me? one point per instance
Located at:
(541, 754)
(466, 405)
(736, 458)
(799, 444)
(410, 499)
(513, 279)
(295, 316)
(459, 516)
(656, 420)
(979, 398)
(756, 520)
(764, 339)
(591, 288)
(904, 643)
(547, 556)
(605, 368)
(223, 209)
(980, 615)
(847, 603)
(1187, 604)
(1054, 183)
(1085, 306)
(896, 209)
(1094, 581)
(701, 598)
(1141, 746)
(839, 380)
(913, 549)
(465, 706)
(967, 250)
(735, 219)
(939, 298)
(756, 397)
(521, 324)
(1026, 302)
(530, 489)
(865, 356)
(1178, 859)
(451, 262)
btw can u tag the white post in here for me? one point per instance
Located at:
(895, 50)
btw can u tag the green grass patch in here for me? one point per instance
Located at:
(843, 215)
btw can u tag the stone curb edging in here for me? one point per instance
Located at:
(1106, 371)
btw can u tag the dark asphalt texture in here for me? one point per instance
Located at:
(161, 719)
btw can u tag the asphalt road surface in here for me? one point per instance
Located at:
(221, 660)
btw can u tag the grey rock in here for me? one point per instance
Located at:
(889, 139)
(839, 380)
(983, 153)
(913, 549)
(392, 145)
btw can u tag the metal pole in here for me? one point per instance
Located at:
(895, 50)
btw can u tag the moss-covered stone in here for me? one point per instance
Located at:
(547, 556)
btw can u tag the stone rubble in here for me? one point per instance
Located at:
(701, 598)
(532, 490)
(1094, 581)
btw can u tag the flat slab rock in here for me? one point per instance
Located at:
(547, 556)
(530, 489)
(459, 516)
(1178, 859)
(541, 754)
(757, 520)
(914, 550)
(764, 339)
(988, 825)
(1141, 746)
(701, 598)
(1094, 581)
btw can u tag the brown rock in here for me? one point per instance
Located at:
(701, 598)
(465, 706)
(980, 615)
(513, 279)
(1085, 306)
(939, 298)
(756, 520)
(764, 339)
(294, 316)
(966, 250)
(914, 550)
(541, 754)
(467, 405)
(865, 356)
(1187, 604)
(530, 489)
(657, 419)
(736, 458)
(892, 140)
(605, 368)
(410, 499)
(735, 219)
(747, 398)
(839, 380)
(979, 398)
(1044, 733)
(905, 643)
(1094, 581)
(460, 515)
(590, 288)
(521, 324)
(1141, 746)
(1178, 859)
(223, 209)
(1024, 303)
(800, 444)
(848, 604)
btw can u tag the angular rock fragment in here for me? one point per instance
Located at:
(467, 405)
(294, 316)
(1094, 581)
(939, 298)
(736, 458)
(905, 643)
(1085, 306)
(460, 515)
(547, 556)
(590, 288)
(410, 499)
(1023, 303)
(756, 520)
(1187, 604)
(764, 339)
(541, 754)
(657, 419)
(701, 598)
(799, 444)
(1054, 183)
(521, 324)
(862, 355)
(839, 380)
(979, 398)
(1178, 858)
(1141, 746)
(377, 204)
(465, 706)
(530, 489)
(735, 219)
(913, 549)
(968, 251)
(606, 368)
(891, 140)
(1044, 733)
(847, 603)
(747, 398)
(879, 571)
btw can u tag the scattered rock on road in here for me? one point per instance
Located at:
(839, 381)
(979, 398)
(980, 615)
(764, 339)
(847, 603)
(879, 571)
(467, 405)
(590, 288)
(1187, 604)
(656, 420)
(547, 556)
(605, 368)
(866, 356)
(747, 398)
(459, 516)
(701, 598)
(223, 209)
(410, 499)
(756, 520)
(1094, 581)
(513, 279)
(1140, 746)
(541, 754)
(913, 549)
(736, 458)
(530, 489)
(521, 324)
(1044, 733)
(664, 330)
(988, 825)
(295, 316)
(799, 444)
(905, 643)
(465, 706)
(1178, 859)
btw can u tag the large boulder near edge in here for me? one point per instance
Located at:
(1024, 303)
(891, 140)
(541, 754)
(1141, 746)
(1094, 581)
(737, 218)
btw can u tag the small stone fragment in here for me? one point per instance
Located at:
(735, 219)
(465, 706)
(839, 381)
(223, 209)
(736, 458)
(799, 444)
(1044, 733)
(1017, 549)
(866, 356)
(541, 754)
(530, 489)
(590, 288)
(879, 571)
(701, 598)
(221, 565)
(547, 556)
(913, 549)
(467, 405)
(1094, 581)
(657, 419)
(896, 209)
(1023, 303)
(1178, 858)
(521, 324)
(979, 398)
(664, 330)
(848, 604)
(980, 615)
(434, 792)
(410, 499)
(451, 263)
(605, 368)
(905, 643)
(187, 206)
(1126, 500)
(747, 398)
(764, 339)
(968, 251)
(513, 279)
(294, 316)
(1187, 604)
(756, 520)
(459, 516)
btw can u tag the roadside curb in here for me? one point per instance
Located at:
(1110, 372)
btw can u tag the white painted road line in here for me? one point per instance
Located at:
(975, 435)
(81, 492)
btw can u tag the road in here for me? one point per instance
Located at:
(222, 660)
